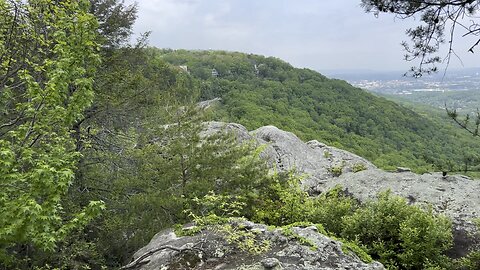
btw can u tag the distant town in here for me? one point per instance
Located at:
(454, 89)
(395, 83)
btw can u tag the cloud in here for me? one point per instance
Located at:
(327, 34)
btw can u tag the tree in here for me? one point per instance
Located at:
(48, 56)
(442, 20)
(466, 122)
(115, 21)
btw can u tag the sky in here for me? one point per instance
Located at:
(317, 34)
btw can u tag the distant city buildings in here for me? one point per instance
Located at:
(214, 73)
(184, 68)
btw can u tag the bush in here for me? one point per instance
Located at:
(331, 207)
(358, 167)
(283, 202)
(336, 170)
(400, 235)
(470, 262)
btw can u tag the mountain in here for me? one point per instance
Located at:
(257, 91)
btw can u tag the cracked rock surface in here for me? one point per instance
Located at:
(456, 196)
(209, 249)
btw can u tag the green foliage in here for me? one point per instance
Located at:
(43, 97)
(220, 205)
(244, 240)
(470, 262)
(331, 207)
(288, 232)
(164, 169)
(336, 170)
(115, 21)
(314, 107)
(348, 247)
(358, 167)
(399, 235)
(220, 213)
(283, 202)
(387, 229)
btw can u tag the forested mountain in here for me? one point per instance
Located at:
(257, 91)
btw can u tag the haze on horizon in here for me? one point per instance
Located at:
(321, 35)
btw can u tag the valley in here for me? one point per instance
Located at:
(457, 89)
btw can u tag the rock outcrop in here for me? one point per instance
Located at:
(213, 248)
(316, 161)
(324, 167)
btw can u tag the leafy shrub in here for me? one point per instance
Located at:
(398, 234)
(330, 208)
(283, 202)
(336, 170)
(470, 262)
(358, 167)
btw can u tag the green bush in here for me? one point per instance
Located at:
(470, 262)
(336, 170)
(330, 208)
(358, 167)
(400, 235)
(283, 202)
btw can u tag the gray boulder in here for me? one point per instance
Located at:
(316, 161)
(213, 248)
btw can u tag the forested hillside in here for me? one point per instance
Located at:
(257, 91)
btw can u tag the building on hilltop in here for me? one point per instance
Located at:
(214, 73)
(184, 68)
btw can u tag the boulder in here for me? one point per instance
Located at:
(315, 160)
(213, 248)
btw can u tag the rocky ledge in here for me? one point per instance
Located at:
(241, 244)
(324, 167)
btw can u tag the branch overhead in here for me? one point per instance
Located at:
(441, 22)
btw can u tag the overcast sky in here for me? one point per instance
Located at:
(317, 34)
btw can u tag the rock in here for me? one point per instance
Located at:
(203, 105)
(240, 132)
(324, 167)
(270, 263)
(403, 169)
(315, 160)
(168, 251)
